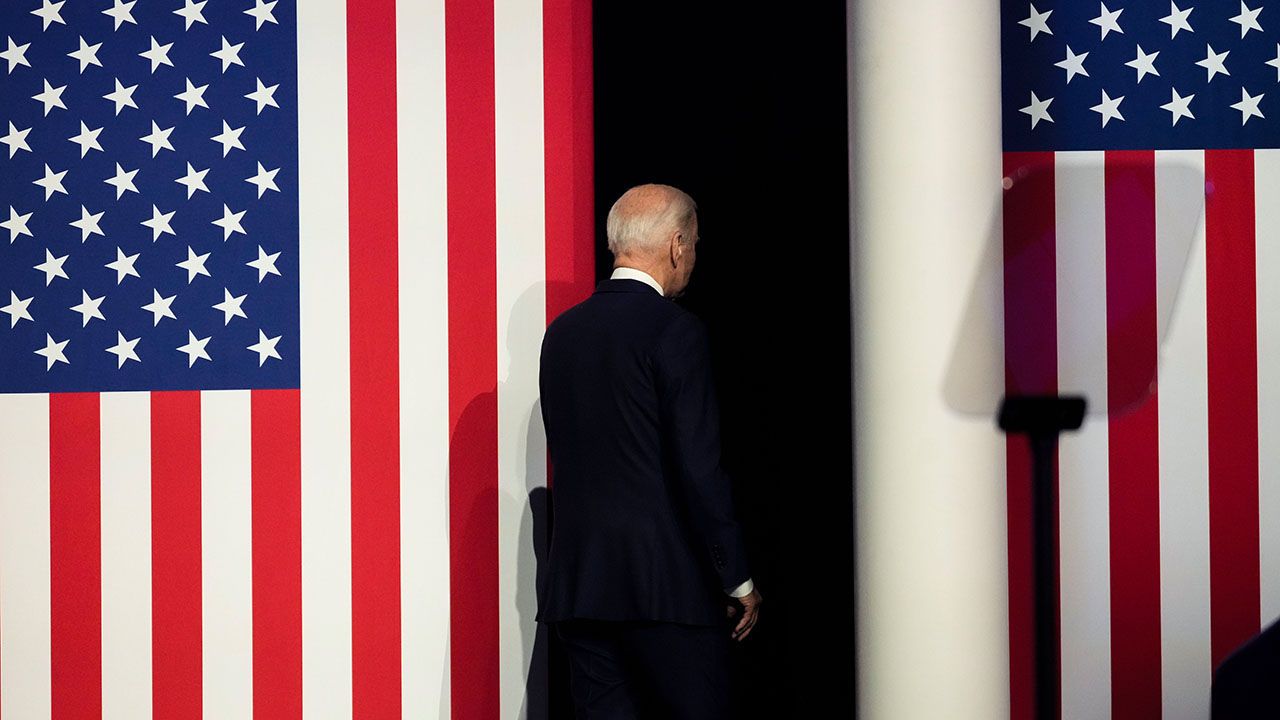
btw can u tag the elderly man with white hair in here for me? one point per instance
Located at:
(646, 561)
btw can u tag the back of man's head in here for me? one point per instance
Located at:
(643, 220)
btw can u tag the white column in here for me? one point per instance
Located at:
(925, 181)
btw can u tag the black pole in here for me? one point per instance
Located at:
(1043, 445)
(1042, 418)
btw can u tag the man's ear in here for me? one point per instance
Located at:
(677, 249)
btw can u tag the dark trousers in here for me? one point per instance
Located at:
(625, 670)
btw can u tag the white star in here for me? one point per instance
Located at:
(1177, 20)
(265, 264)
(17, 139)
(1073, 64)
(17, 309)
(1214, 62)
(159, 307)
(1248, 106)
(123, 265)
(88, 224)
(230, 306)
(122, 12)
(50, 97)
(1247, 19)
(87, 139)
(1038, 22)
(265, 180)
(1109, 108)
(229, 138)
(122, 96)
(159, 139)
(16, 55)
(53, 351)
(263, 96)
(1038, 110)
(87, 54)
(159, 223)
(265, 347)
(1108, 21)
(50, 13)
(89, 308)
(158, 54)
(193, 96)
(52, 267)
(1179, 106)
(192, 12)
(230, 222)
(123, 181)
(194, 265)
(194, 180)
(17, 225)
(261, 12)
(229, 54)
(124, 350)
(1144, 63)
(51, 182)
(195, 349)
(1275, 63)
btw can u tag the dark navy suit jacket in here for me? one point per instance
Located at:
(1247, 684)
(643, 525)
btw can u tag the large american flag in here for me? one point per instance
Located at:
(274, 277)
(1142, 252)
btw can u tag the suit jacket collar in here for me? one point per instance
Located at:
(624, 286)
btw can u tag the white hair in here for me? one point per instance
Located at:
(646, 216)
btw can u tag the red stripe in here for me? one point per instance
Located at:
(375, 378)
(473, 407)
(1134, 459)
(177, 661)
(277, 554)
(1233, 399)
(75, 545)
(1031, 368)
(569, 159)
(569, 152)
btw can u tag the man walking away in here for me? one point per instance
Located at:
(646, 557)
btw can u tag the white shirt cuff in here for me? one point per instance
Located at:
(742, 590)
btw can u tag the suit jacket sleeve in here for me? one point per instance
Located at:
(691, 432)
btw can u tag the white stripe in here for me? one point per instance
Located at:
(1184, 435)
(1266, 169)
(326, 349)
(521, 263)
(126, 555)
(424, 360)
(25, 640)
(1080, 192)
(226, 543)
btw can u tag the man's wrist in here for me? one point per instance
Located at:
(742, 590)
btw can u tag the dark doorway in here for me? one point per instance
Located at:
(745, 109)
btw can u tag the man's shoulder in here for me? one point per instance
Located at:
(629, 313)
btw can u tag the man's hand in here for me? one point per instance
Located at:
(750, 613)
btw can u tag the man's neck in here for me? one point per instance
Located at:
(630, 272)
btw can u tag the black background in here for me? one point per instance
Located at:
(746, 111)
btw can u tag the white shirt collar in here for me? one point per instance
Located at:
(626, 273)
